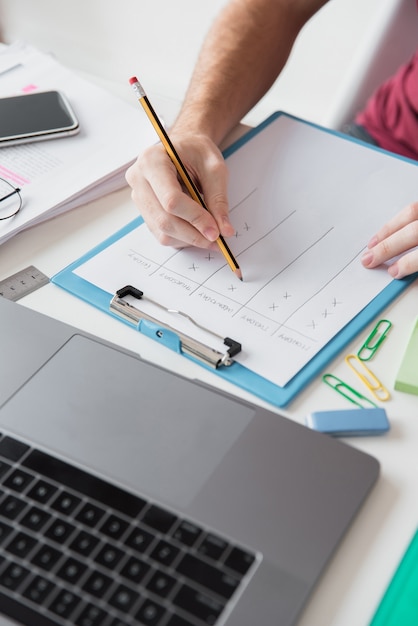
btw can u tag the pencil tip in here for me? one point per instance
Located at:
(238, 273)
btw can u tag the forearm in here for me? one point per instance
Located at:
(244, 52)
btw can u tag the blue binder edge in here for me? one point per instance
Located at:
(237, 373)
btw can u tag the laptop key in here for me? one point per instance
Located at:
(59, 531)
(164, 553)
(176, 620)
(13, 576)
(5, 531)
(208, 576)
(187, 533)
(114, 527)
(84, 543)
(139, 539)
(161, 584)
(64, 604)
(91, 616)
(46, 557)
(11, 507)
(134, 570)
(97, 584)
(35, 519)
(12, 449)
(65, 503)
(212, 546)
(38, 589)
(198, 604)
(71, 570)
(18, 480)
(150, 613)
(21, 545)
(42, 491)
(239, 560)
(90, 515)
(4, 467)
(158, 518)
(124, 598)
(109, 556)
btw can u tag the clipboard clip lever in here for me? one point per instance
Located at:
(170, 336)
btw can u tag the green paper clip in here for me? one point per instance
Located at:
(346, 391)
(374, 340)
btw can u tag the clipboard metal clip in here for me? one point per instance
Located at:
(170, 336)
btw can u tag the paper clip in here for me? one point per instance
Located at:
(346, 391)
(372, 383)
(374, 340)
(170, 336)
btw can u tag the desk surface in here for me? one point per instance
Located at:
(352, 586)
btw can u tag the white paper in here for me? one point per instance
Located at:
(59, 174)
(304, 203)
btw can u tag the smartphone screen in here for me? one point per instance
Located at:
(36, 116)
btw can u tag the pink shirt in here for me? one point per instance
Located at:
(391, 114)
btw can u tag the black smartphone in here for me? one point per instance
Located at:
(36, 116)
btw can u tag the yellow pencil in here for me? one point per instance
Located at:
(183, 173)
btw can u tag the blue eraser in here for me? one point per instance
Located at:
(349, 422)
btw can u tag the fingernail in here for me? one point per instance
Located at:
(367, 259)
(394, 270)
(211, 234)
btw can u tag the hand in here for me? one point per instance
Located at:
(398, 237)
(168, 210)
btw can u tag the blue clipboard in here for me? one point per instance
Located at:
(237, 373)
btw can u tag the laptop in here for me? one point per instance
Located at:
(130, 495)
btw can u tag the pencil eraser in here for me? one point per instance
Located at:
(407, 376)
(349, 422)
(133, 80)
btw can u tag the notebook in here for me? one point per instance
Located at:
(399, 604)
(130, 495)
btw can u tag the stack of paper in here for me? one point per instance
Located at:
(59, 174)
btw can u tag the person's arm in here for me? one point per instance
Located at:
(244, 52)
(399, 237)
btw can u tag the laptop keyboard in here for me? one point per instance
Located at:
(75, 549)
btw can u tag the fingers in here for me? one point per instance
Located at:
(398, 237)
(173, 217)
(214, 176)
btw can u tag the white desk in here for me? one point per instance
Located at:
(352, 586)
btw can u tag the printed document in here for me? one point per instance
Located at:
(304, 203)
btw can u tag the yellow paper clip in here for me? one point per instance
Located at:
(346, 391)
(372, 383)
(374, 340)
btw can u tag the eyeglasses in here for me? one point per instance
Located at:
(10, 200)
